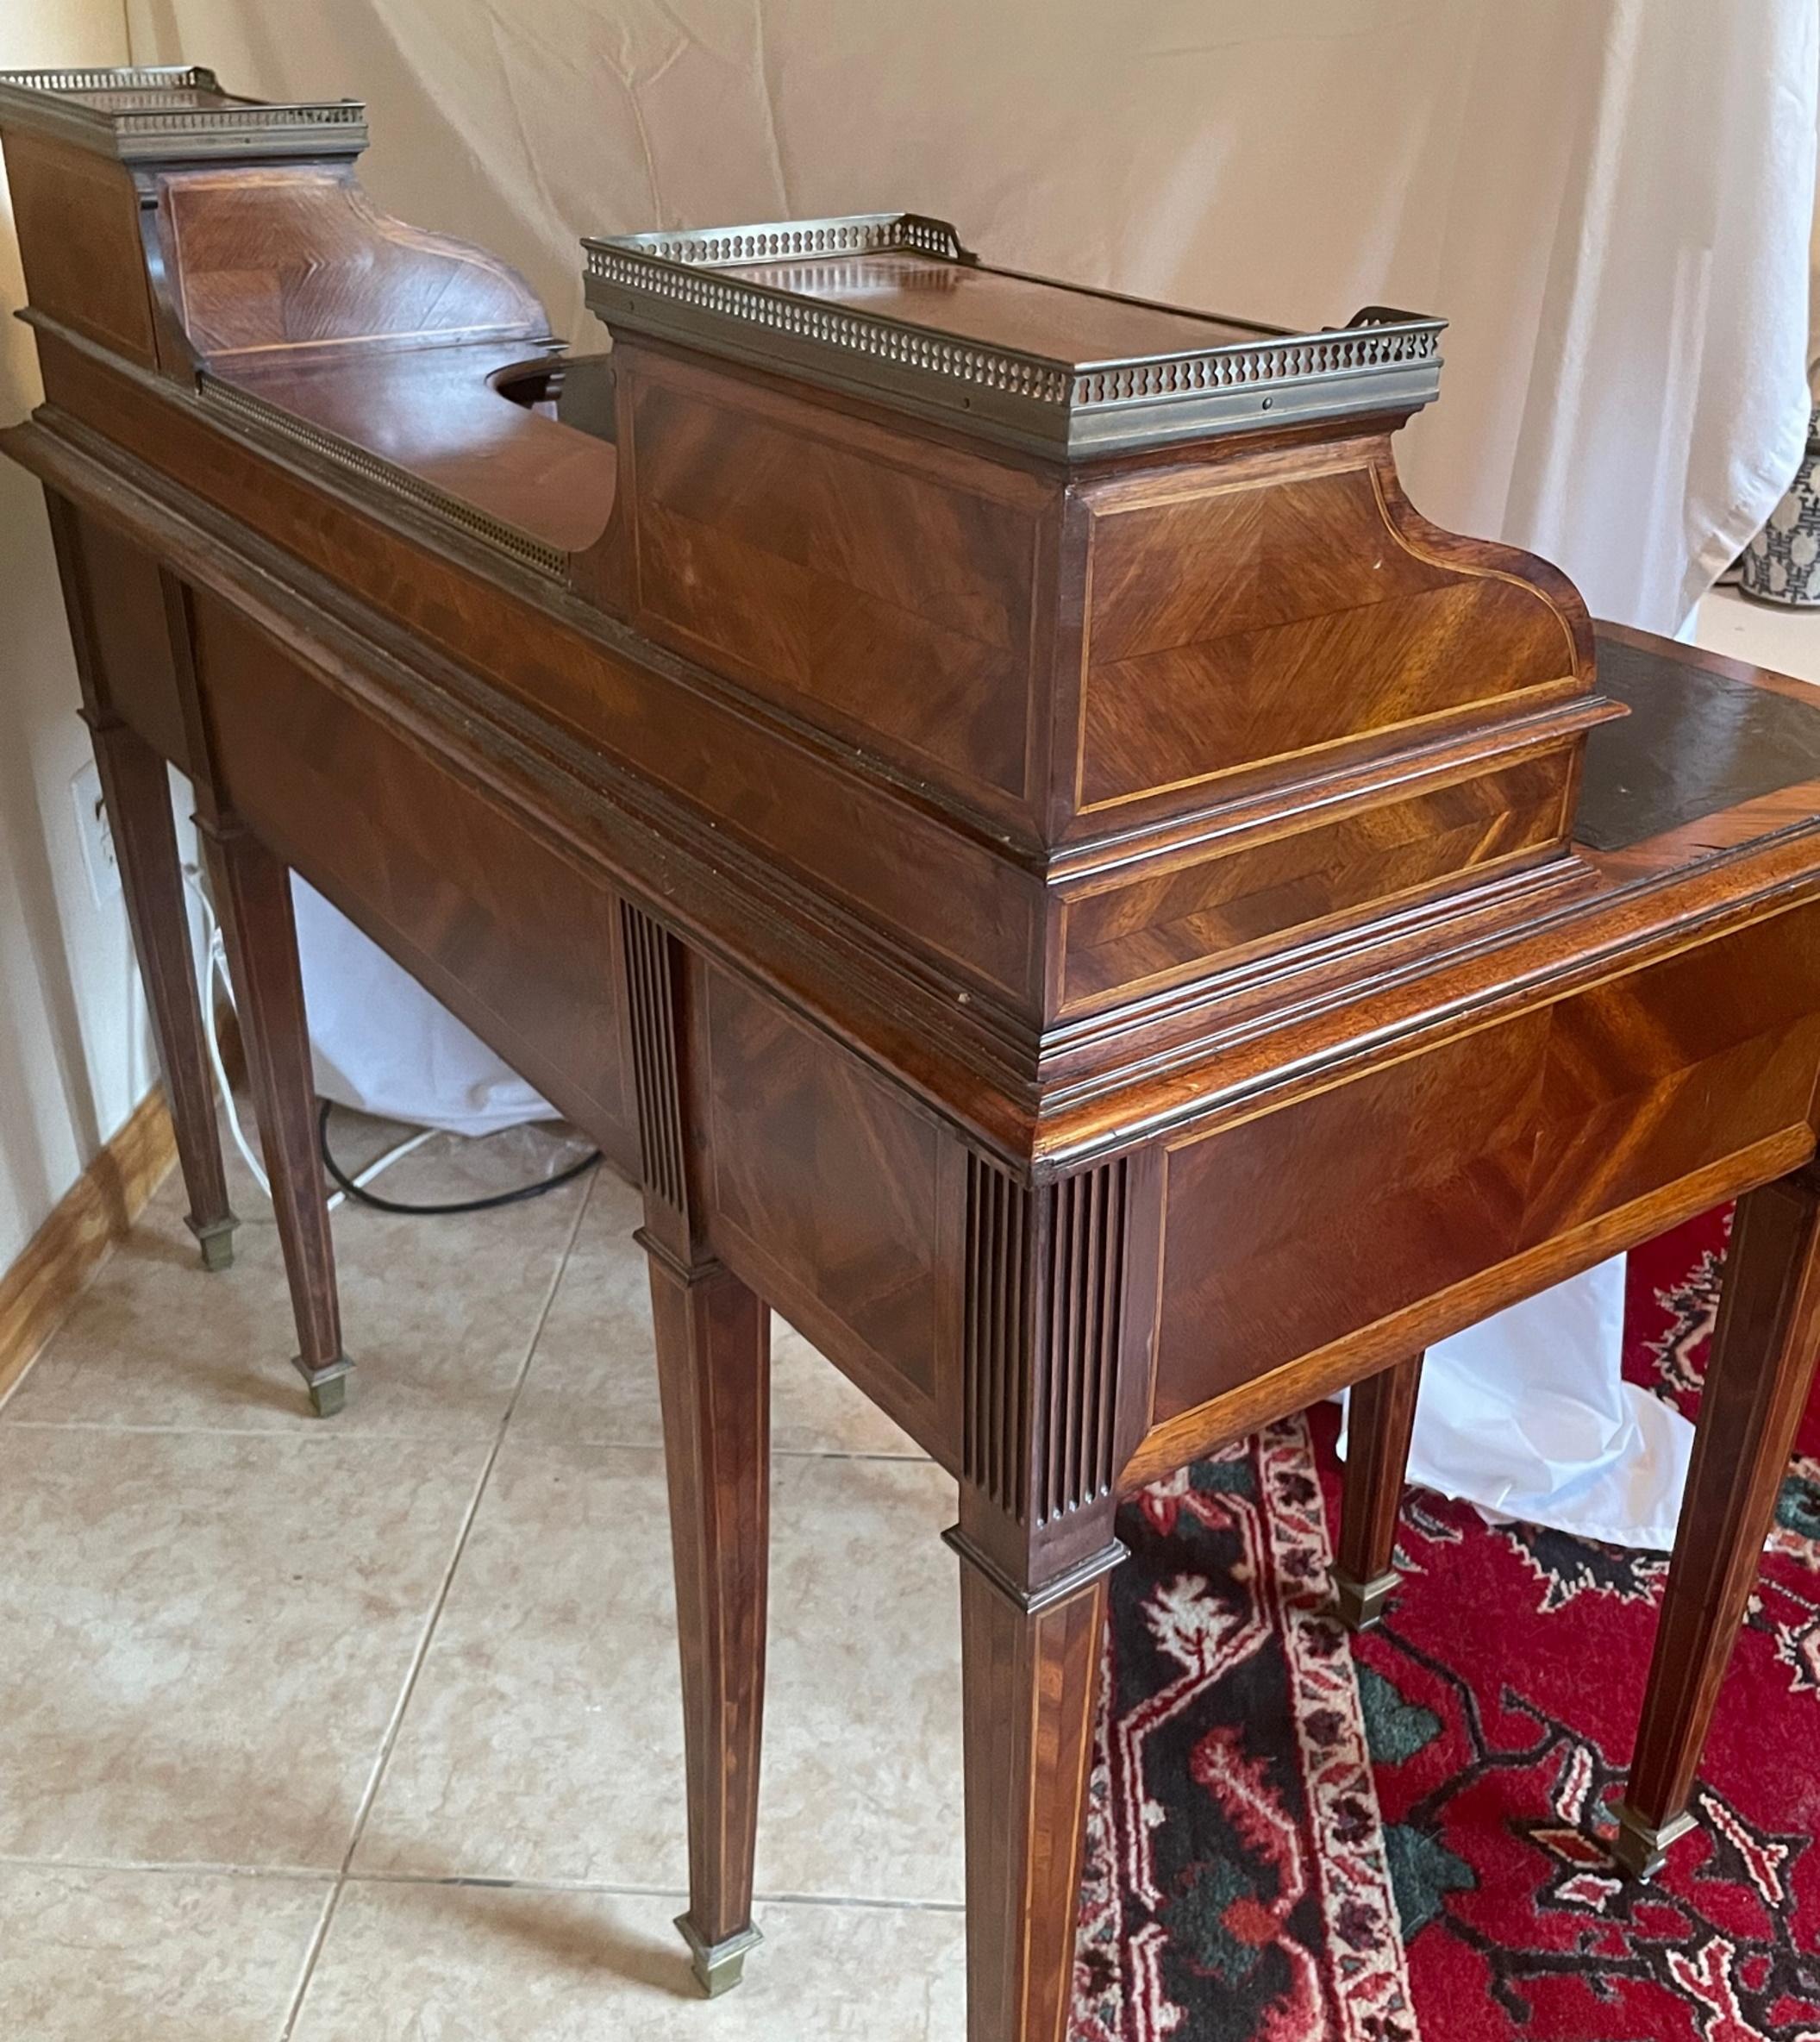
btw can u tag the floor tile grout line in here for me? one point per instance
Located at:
(622, 1889)
(314, 1429)
(196, 1868)
(306, 1431)
(841, 1453)
(331, 1882)
(877, 1902)
(312, 1951)
(461, 1538)
(293, 1426)
(336, 1883)
(583, 1205)
(388, 1743)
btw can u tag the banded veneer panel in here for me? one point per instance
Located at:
(1194, 915)
(1265, 619)
(1297, 1228)
(517, 942)
(889, 602)
(79, 237)
(122, 606)
(819, 1166)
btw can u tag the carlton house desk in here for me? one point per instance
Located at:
(986, 800)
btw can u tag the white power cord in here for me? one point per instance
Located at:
(214, 969)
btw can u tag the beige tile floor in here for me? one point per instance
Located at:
(369, 1729)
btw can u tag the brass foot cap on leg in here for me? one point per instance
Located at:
(215, 1240)
(328, 1385)
(718, 1967)
(1361, 1603)
(1639, 1848)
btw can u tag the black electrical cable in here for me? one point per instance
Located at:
(499, 1198)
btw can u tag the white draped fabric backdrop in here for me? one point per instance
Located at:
(1610, 200)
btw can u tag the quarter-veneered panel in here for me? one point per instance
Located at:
(126, 618)
(1302, 1225)
(892, 605)
(518, 942)
(831, 1178)
(1277, 617)
(1698, 1057)
(295, 255)
(1295, 1230)
(78, 217)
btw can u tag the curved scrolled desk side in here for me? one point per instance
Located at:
(987, 802)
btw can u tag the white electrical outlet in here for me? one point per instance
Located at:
(96, 835)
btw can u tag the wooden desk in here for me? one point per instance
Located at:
(986, 800)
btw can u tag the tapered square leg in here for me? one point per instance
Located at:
(252, 889)
(1030, 1686)
(1055, 1299)
(135, 784)
(714, 1371)
(1757, 1383)
(1381, 1419)
(714, 1368)
(136, 787)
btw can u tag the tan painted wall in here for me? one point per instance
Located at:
(74, 1055)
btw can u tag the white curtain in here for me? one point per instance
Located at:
(1611, 199)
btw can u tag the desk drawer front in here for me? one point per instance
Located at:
(1195, 915)
(1297, 1229)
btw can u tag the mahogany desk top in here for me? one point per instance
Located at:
(988, 803)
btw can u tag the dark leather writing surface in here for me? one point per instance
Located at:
(1695, 743)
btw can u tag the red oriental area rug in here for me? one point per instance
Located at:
(1296, 1837)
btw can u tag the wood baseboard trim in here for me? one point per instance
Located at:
(93, 1214)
